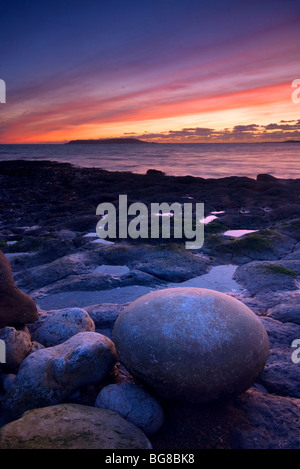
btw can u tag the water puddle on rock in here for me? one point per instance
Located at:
(219, 278)
(211, 217)
(80, 299)
(238, 233)
(208, 219)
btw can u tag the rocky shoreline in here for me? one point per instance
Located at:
(47, 224)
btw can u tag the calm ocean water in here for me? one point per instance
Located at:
(197, 159)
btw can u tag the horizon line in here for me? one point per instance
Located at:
(156, 143)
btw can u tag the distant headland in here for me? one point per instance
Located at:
(291, 141)
(109, 141)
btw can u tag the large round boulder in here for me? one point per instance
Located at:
(191, 344)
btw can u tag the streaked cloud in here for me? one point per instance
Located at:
(239, 133)
(180, 70)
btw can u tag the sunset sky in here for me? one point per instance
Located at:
(160, 70)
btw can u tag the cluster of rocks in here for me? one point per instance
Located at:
(50, 358)
(177, 347)
(131, 370)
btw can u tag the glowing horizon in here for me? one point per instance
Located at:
(165, 72)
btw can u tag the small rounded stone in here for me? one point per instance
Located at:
(63, 324)
(134, 404)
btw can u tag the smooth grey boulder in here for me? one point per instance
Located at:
(191, 344)
(63, 324)
(134, 404)
(72, 426)
(48, 375)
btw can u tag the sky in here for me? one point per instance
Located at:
(170, 71)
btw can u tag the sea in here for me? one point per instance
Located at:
(207, 160)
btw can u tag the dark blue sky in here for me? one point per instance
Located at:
(133, 61)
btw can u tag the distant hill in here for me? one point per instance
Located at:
(109, 141)
(291, 141)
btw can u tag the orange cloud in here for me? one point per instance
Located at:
(87, 118)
